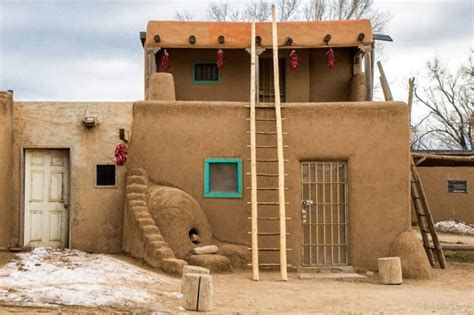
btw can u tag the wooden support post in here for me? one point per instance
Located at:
(368, 75)
(390, 270)
(411, 87)
(281, 166)
(150, 65)
(253, 159)
(383, 81)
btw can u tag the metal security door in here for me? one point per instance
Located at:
(46, 198)
(324, 213)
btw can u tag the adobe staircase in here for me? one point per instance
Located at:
(142, 237)
(268, 182)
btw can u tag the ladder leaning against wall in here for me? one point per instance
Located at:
(266, 115)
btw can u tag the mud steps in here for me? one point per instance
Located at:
(142, 237)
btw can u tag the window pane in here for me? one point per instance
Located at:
(105, 175)
(457, 186)
(223, 177)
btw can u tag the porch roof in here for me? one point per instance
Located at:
(175, 34)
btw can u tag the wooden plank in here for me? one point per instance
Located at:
(411, 87)
(281, 166)
(383, 81)
(253, 159)
(368, 75)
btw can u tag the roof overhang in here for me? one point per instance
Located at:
(176, 34)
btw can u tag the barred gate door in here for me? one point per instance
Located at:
(324, 213)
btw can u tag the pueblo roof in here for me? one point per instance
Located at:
(176, 34)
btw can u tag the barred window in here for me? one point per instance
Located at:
(206, 72)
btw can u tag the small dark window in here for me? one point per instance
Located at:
(206, 72)
(457, 186)
(105, 175)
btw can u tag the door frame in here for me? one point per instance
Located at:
(347, 207)
(22, 189)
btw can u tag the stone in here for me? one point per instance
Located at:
(209, 249)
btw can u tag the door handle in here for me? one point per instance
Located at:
(66, 206)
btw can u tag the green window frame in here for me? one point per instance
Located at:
(219, 73)
(214, 194)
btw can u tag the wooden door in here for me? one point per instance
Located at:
(46, 198)
(266, 85)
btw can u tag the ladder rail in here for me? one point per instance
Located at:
(253, 159)
(281, 166)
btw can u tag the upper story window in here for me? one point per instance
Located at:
(206, 72)
(457, 186)
(105, 175)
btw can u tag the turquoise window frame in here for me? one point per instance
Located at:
(219, 73)
(208, 193)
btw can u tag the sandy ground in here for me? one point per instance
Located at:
(450, 292)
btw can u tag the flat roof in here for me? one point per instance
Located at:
(175, 34)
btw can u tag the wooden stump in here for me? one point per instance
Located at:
(390, 270)
(197, 292)
(195, 269)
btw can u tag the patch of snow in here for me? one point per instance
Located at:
(453, 226)
(51, 277)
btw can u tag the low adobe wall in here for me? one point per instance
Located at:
(96, 214)
(171, 140)
(444, 205)
(6, 138)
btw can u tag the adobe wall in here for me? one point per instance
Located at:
(96, 214)
(171, 140)
(444, 205)
(6, 138)
(311, 81)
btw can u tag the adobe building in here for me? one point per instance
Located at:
(185, 182)
(448, 180)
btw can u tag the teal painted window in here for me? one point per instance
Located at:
(223, 178)
(206, 72)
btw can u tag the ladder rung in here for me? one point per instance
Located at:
(264, 203)
(268, 233)
(265, 188)
(267, 119)
(267, 146)
(269, 218)
(265, 106)
(266, 174)
(268, 133)
(270, 265)
(269, 249)
(267, 160)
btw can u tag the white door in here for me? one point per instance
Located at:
(46, 198)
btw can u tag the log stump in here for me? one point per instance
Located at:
(390, 270)
(197, 292)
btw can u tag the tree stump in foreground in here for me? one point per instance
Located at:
(390, 270)
(197, 292)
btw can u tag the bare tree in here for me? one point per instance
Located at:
(316, 10)
(287, 9)
(257, 10)
(222, 12)
(183, 15)
(449, 99)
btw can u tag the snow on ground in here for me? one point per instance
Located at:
(452, 226)
(49, 277)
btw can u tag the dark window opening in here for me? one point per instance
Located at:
(223, 177)
(206, 72)
(457, 186)
(105, 175)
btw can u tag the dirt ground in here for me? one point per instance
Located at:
(450, 292)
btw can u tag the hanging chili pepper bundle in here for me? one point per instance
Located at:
(220, 59)
(165, 61)
(293, 60)
(121, 154)
(331, 60)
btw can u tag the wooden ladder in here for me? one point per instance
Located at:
(425, 219)
(277, 202)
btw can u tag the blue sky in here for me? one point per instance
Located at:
(89, 49)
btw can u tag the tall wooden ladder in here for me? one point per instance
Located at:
(267, 184)
(425, 219)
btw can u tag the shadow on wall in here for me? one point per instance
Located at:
(185, 228)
